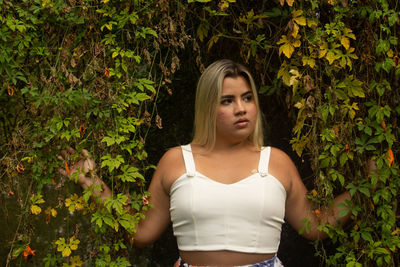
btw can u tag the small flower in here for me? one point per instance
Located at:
(346, 148)
(82, 130)
(67, 168)
(28, 251)
(145, 200)
(391, 157)
(383, 124)
(107, 73)
(396, 60)
(314, 192)
(11, 89)
(317, 213)
(20, 168)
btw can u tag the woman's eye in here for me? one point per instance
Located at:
(248, 98)
(226, 101)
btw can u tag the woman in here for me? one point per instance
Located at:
(226, 195)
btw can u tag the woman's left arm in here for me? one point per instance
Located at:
(299, 207)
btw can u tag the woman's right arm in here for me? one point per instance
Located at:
(156, 219)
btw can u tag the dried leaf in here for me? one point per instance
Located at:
(73, 62)
(20, 168)
(159, 121)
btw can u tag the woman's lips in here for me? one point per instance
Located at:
(241, 123)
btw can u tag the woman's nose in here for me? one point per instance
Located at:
(240, 108)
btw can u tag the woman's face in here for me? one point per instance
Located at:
(237, 110)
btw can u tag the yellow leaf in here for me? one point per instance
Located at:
(73, 247)
(202, 31)
(389, 53)
(295, 30)
(343, 62)
(285, 76)
(105, 1)
(53, 212)
(78, 206)
(35, 209)
(308, 61)
(297, 13)
(349, 33)
(322, 53)
(312, 23)
(213, 41)
(314, 192)
(71, 208)
(299, 105)
(290, 2)
(45, 2)
(301, 21)
(76, 261)
(68, 202)
(294, 80)
(282, 2)
(330, 56)
(352, 36)
(396, 231)
(297, 42)
(295, 73)
(345, 42)
(287, 49)
(66, 252)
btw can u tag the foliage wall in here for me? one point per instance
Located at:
(92, 74)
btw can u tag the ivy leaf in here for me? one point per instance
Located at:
(35, 209)
(112, 163)
(343, 212)
(213, 41)
(290, 2)
(331, 57)
(287, 47)
(202, 30)
(284, 74)
(312, 23)
(300, 20)
(345, 42)
(66, 252)
(308, 61)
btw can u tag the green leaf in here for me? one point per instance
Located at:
(112, 163)
(343, 213)
(365, 191)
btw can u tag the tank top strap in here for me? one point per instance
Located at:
(189, 161)
(264, 160)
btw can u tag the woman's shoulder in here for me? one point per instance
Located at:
(171, 157)
(282, 167)
(171, 166)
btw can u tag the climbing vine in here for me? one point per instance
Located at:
(91, 74)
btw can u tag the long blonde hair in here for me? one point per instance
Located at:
(208, 93)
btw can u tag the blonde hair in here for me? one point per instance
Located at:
(208, 94)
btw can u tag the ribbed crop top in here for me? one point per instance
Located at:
(245, 216)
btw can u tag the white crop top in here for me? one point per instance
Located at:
(245, 216)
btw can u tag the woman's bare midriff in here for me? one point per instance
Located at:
(222, 258)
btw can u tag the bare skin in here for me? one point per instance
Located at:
(232, 159)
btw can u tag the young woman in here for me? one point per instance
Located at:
(226, 195)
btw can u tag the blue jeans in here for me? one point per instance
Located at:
(273, 262)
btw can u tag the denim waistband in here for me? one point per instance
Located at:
(273, 262)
